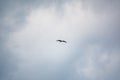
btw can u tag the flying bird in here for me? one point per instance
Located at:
(62, 41)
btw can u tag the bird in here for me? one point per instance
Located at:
(62, 41)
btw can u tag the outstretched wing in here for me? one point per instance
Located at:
(59, 40)
(64, 41)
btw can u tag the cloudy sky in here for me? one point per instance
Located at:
(29, 30)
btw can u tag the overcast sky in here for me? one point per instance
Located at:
(29, 30)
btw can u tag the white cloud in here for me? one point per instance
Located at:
(45, 25)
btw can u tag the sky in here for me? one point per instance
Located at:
(29, 30)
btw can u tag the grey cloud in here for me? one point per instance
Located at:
(12, 16)
(107, 38)
(102, 5)
(109, 10)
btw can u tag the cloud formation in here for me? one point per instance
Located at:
(30, 30)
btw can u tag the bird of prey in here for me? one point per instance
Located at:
(62, 41)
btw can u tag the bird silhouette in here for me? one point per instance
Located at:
(62, 41)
